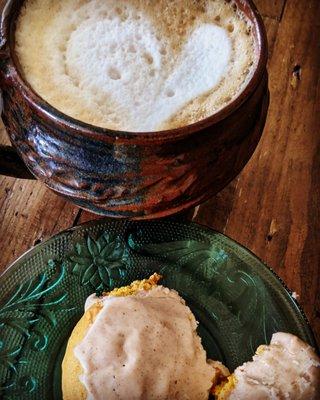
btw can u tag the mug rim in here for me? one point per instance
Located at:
(96, 132)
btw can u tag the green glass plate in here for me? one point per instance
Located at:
(238, 301)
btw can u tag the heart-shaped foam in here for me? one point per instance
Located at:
(135, 77)
(135, 65)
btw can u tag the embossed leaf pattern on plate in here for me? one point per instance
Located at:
(237, 300)
(38, 298)
(100, 263)
(237, 297)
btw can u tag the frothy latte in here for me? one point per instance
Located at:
(135, 65)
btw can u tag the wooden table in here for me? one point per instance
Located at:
(273, 207)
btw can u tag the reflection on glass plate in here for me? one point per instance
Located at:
(237, 300)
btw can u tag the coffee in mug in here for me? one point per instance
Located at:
(136, 65)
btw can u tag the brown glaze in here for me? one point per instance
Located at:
(127, 174)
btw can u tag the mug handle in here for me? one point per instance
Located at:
(10, 162)
(12, 165)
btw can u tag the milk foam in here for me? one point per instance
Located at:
(131, 69)
(109, 63)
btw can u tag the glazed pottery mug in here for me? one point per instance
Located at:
(125, 174)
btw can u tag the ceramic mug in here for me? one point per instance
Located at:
(124, 174)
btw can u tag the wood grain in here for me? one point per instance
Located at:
(270, 8)
(273, 207)
(272, 27)
(29, 213)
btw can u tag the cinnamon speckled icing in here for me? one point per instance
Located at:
(287, 369)
(144, 346)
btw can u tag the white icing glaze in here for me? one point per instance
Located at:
(144, 347)
(92, 299)
(286, 369)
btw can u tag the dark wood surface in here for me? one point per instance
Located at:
(273, 207)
